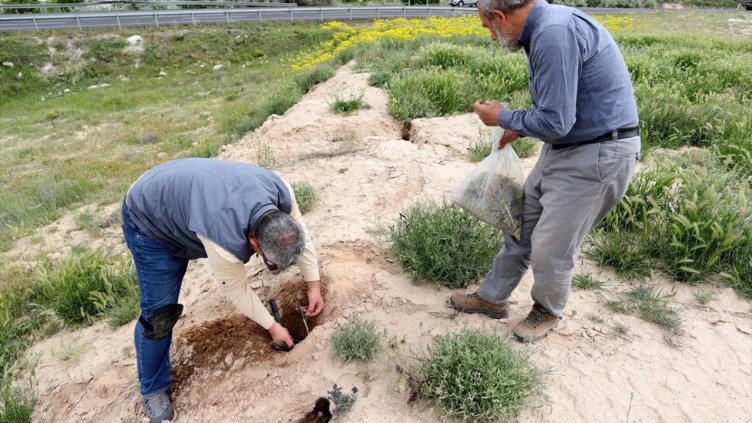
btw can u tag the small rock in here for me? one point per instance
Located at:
(8, 64)
(162, 73)
(92, 87)
(277, 382)
(20, 75)
(66, 91)
(319, 346)
(217, 67)
(104, 85)
(257, 284)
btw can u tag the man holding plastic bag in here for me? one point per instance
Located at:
(585, 112)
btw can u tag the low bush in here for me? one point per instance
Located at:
(359, 340)
(443, 244)
(305, 195)
(478, 377)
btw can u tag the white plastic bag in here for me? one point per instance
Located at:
(493, 190)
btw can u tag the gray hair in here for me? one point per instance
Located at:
(281, 238)
(506, 6)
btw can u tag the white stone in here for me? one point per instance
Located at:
(134, 40)
(217, 67)
(8, 64)
(162, 73)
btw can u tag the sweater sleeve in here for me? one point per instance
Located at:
(233, 284)
(308, 263)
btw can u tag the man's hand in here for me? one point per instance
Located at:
(315, 301)
(508, 137)
(280, 334)
(488, 112)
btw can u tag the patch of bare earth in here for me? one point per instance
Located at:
(365, 173)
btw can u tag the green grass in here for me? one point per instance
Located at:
(87, 286)
(35, 303)
(356, 341)
(139, 120)
(305, 195)
(586, 282)
(346, 104)
(475, 376)
(443, 244)
(650, 305)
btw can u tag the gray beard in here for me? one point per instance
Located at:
(506, 39)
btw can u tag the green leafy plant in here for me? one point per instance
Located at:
(305, 195)
(359, 340)
(476, 376)
(443, 244)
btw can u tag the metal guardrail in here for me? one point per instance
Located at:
(145, 3)
(119, 19)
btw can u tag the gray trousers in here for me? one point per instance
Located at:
(568, 192)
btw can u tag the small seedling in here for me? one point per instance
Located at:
(704, 296)
(343, 401)
(305, 319)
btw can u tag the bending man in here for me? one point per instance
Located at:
(194, 208)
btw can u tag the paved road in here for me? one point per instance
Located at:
(111, 19)
(49, 21)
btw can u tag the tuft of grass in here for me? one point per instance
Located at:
(596, 318)
(476, 376)
(265, 157)
(86, 286)
(443, 244)
(704, 296)
(480, 148)
(621, 251)
(652, 306)
(16, 403)
(379, 79)
(346, 105)
(620, 328)
(586, 281)
(359, 340)
(305, 195)
(525, 147)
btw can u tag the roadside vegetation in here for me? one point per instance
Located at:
(87, 115)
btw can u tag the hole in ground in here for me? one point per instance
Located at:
(218, 344)
(406, 132)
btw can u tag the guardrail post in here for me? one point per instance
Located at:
(350, 9)
(156, 20)
(260, 20)
(35, 23)
(227, 15)
(378, 12)
(322, 14)
(429, 11)
(291, 17)
(118, 21)
(193, 18)
(78, 21)
(404, 12)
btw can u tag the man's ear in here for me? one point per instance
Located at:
(254, 243)
(499, 17)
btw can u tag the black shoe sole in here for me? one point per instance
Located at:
(487, 312)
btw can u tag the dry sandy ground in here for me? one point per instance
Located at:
(365, 173)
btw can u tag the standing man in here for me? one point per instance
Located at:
(584, 111)
(193, 208)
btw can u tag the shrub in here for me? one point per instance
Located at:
(359, 340)
(477, 377)
(525, 147)
(86, 285)
(443, 244)
(305, 196)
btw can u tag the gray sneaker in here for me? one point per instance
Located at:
(158, 407)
